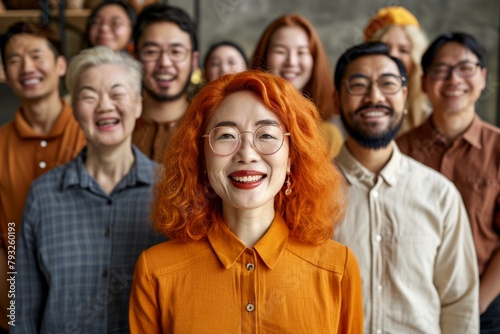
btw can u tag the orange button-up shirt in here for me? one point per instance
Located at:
(472, 162)
(26, 154)
(220, 286)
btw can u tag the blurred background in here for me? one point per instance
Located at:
(340, 24)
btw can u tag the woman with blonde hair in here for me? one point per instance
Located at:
(400, 30)
(291, 48)
(249, 199)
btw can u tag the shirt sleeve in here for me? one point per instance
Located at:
(456, 274)
(144, 313)
(351, 313)
(31, 285)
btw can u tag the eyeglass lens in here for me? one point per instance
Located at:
(225, 140)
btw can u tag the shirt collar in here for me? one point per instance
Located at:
(142, 172)
(355, 172)
(26, 131)
(229, 248)
(473, 134)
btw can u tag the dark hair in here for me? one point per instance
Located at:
(164, 13)
(361, 50)
(129, 9)
(468, 41)
(30, 28)
(214, 46)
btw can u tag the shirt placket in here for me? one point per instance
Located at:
(248, 292)
(42, 160)
(377, 256)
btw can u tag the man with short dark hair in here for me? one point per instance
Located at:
(405, 222)
(165, 42)
(43, 134)
(457, 143)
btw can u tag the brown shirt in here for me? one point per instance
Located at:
(26, 154)
(153, 138)
(472, 162)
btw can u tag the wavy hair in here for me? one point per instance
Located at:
(320, 86)
(183, 209)
(417, 102)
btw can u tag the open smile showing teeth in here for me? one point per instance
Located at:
(31, 82)
(453, 93)
(373, 114)
(289, 75)
(164, 77)
(107, 122)
(247, 179)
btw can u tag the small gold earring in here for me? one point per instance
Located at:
(288, 191)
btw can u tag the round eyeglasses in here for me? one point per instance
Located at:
(388, 84)
(225, 140)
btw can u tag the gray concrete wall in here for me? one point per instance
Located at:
(340, 25)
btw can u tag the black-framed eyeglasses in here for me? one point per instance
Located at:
(225, 140)
(176, 53)
(388, 84)
(465, 69)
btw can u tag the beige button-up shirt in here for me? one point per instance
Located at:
(410, 233)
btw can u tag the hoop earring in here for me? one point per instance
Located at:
(288, 191)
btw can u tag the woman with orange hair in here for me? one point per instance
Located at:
(249, 199)
(291, 48)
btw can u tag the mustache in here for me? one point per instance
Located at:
(374, 106)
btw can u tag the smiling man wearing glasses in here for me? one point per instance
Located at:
(405, 222)
(457, 143)
(166, 45)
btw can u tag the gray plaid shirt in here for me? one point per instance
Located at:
(78, 247)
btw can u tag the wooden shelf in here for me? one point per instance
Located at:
(74, 18)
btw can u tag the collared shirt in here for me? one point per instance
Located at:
(220, 286)
(26, 154)
(409, 231)
(153, 138)
(472, 163)
(78, 247)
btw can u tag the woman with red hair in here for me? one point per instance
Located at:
(249, 199)
(291, 48)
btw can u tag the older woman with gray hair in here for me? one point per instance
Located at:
(86, 222)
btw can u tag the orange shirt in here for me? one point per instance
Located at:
(220, 286)
(153, 138)
(26, 154)
(472, 163)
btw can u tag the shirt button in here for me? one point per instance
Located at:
(378, 237)
(379, 287)
(43, 143)
(106, 232)
(250, 307)
(104, 273)
(42, 164)
(375, 194)
(379, 331)
(250, 266)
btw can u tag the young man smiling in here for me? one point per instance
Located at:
(405, 222)
(166, 44)
(457, 143)
(43, 133)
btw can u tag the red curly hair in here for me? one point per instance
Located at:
(320, 86)
(183, 209)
